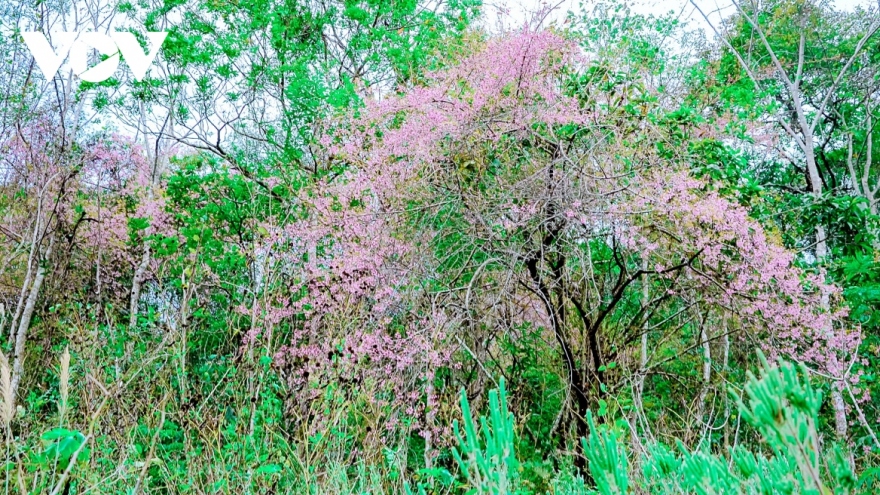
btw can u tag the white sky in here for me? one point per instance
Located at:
(715, 9)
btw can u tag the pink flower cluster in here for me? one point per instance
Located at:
(358, 257)
(740, 269)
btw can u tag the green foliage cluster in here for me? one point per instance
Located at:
(780, 403)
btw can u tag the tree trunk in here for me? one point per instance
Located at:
(27, 313)
(643, 364)
(725, 366)
(575, 377)
(821, 240)
(137, 285)
(707, 371)
(28, 275)
(140, 271)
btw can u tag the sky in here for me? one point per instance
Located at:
(714, 9)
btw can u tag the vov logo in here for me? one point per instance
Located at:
(78, 44)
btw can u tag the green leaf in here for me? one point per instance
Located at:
(269, 469)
